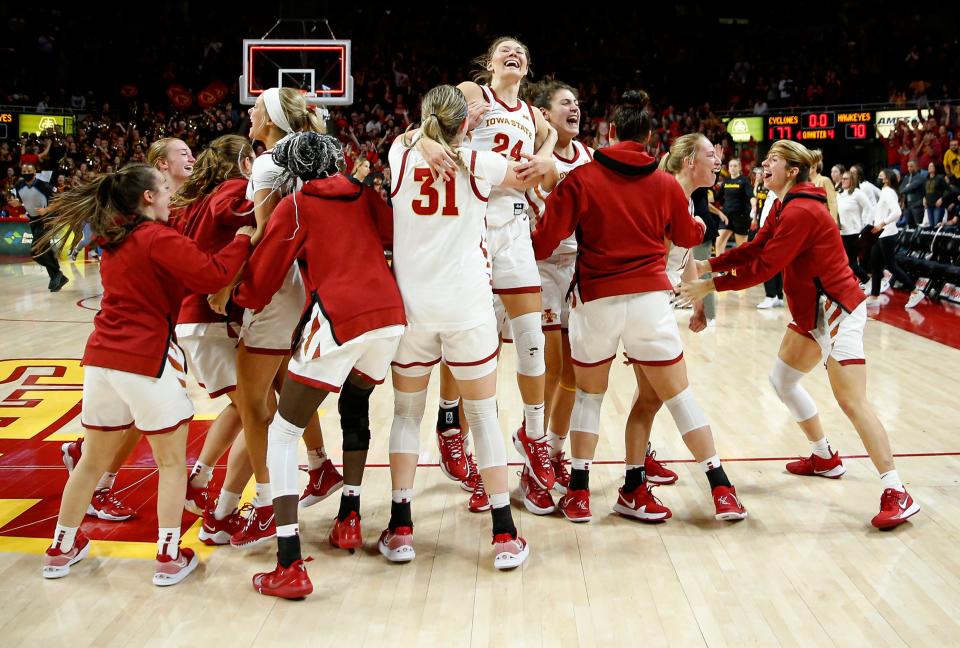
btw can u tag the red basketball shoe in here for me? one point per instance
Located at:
(71, 453)
(56, 563)
(197, 500)
(575, 505)
(535, 499)
(469, 483)
(656, 472)
(216, 532)
(259, 527)
(346, 533)
(397, 545)
(728, 504)
(818, 466)
(171, 571)
(291, 582)
(641, 505)
(895, 507)
(453, 459)
(536, 454)
(106, 506)
(479, 502)
(324, 481)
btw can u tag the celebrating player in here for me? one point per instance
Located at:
(801, 238)
(440, 260)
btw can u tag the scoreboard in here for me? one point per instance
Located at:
(825, 125)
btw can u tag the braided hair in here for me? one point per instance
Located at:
(308, 156)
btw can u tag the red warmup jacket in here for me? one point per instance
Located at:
(213, 222)
(621, 208)
(337, 230)
(801, 239)
(145, 278)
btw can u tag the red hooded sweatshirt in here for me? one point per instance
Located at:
(337, 230)
(145, 278)
(801, 239)
(621, 208)
(212, 222)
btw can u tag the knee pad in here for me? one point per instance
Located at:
(786, 382)
(686, 412)
(282, 461)
(529, 341)
(586, 413)
(354, 408)
(485, 428)
(408, 411)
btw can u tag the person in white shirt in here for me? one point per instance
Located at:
(884, 252)
(856, 212)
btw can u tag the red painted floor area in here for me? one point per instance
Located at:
(938, 321)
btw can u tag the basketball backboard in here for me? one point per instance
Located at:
(318, 68)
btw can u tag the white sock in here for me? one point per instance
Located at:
(555, 442)
(499, 500)
(168, 542)
(891, 479)
(710, 463)
(449, 404)
(634, 466)
(262, 498)
(581, 464)
(451, 432)
(106, 481)
(402, 495)
(201, 475)
(533, 421)
(63, 538)
(315, 458)
(227, 503)
(821, 448)
(351, 491)
(288, 530)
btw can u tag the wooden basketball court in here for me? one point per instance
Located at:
(806, 568)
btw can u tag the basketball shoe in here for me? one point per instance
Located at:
(469, 483)
(291, 582)
(814, 465)
(561, 474)
(509, 551)
(479, 502)
(536, 454)
(537, 500)
(346, 533)
(895, 507)
(641, 505)
(260, 526)
(216, 532)
(453, 459)
(324, 481)
(197, 500)
(397, 545)
(57, 563)
(106, 506)
(575, 505)
(728, 504)
(171, 571)
(656, 472)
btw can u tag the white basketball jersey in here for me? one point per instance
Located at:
(439, 239)
(508, 131)
(537, 196)
(265, 174)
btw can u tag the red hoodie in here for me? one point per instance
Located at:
(621, 208)
(801, 239)
(338, 230)
(212, 222)
(145, 278)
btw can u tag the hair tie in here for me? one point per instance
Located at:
(311, 107)
(434, 115)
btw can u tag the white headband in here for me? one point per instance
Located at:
(271, 100)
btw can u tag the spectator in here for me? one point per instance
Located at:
(935, 190)
(361, 169)
(951, 161)
(12, 209)
(911, 191)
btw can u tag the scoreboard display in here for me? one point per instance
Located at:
(825, 125)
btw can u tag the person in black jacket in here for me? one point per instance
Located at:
(912, 189)
(35, 195)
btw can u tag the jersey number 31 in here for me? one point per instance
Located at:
(429, 199)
